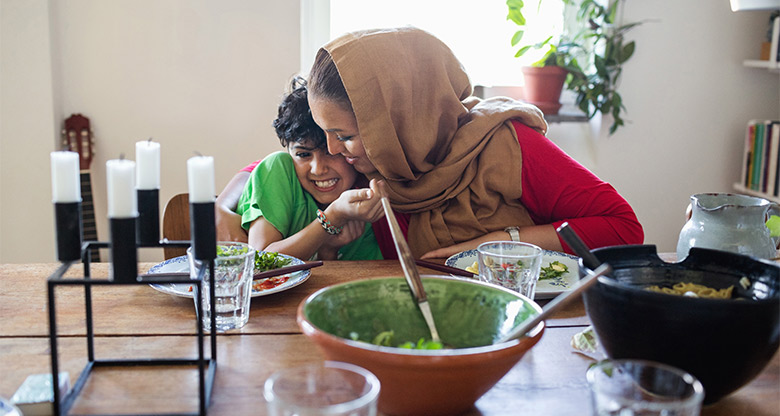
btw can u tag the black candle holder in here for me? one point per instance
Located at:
(148, 225)
(124, 253)
(125, 272)
(67, 216)
(204, 235)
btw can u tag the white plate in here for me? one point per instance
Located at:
(7, 408)
(545, 289)
(181, 264)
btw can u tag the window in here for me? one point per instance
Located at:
(477, 31)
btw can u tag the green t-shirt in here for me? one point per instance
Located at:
(275, 193)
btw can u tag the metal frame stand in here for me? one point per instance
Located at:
(62, 405)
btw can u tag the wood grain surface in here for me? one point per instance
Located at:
(140, 322)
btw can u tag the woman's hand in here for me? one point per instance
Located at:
(229, 226)
(355, 205)
(227, 221)
(445, 252)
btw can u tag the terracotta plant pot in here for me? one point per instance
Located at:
(543, 86)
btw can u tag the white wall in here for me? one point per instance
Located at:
(207, 76)
(28, 128)
(198, 75)
(688, 98)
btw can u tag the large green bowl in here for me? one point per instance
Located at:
(470, 316)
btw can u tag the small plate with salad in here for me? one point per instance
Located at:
(559, 271)
(264, 260)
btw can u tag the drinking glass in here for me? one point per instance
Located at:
(511, 264)
(331, 388)
(233, 270)
(647, 388)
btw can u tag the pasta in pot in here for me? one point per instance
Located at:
(694, 290)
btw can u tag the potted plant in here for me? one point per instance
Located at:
(544, 79)
(593, 57)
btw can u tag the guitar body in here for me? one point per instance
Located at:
(77, 137)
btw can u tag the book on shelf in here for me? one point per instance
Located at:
(761, 158)
(774, 42)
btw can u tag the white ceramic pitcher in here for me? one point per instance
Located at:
(729, 222)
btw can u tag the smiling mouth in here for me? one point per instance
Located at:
(326, 185)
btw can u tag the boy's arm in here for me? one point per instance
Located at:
(228, 222)
(313, 238)
(303, 244)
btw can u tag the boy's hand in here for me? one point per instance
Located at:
(351, 231)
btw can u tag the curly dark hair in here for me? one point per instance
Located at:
(294, 122)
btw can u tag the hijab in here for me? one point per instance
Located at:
(449, 159)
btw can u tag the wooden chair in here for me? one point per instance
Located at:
(176, 223)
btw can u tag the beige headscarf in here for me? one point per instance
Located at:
(448, 158)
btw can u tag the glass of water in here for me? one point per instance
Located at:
(511, 264)
(233, 271)
(639, 387)
(331, 388)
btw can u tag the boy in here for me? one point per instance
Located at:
(302, 202)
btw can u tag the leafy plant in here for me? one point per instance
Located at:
(597, 88)
(561, 50)
(599, 46)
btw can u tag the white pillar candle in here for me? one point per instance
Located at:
(120, 180)
(65, 184)
(200, 178)
(147, 158)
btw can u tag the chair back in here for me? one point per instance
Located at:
(176, 224)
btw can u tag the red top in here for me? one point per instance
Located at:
(556, 189)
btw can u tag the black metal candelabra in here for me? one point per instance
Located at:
(127, 234)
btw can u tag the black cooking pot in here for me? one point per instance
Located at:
(725, 343)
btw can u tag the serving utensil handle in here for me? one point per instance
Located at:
(405, 254)
(558, 302)
(575, 242)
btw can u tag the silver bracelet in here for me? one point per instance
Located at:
(514, 233)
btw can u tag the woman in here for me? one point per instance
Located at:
(397, 104)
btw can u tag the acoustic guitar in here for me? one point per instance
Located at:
(77, 137)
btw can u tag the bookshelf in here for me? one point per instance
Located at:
(773, 63)
(747, 191)
(755, 63)
(760, 174)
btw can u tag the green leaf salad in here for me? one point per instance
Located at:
(385, 339)
(269, 260)
(553, 270)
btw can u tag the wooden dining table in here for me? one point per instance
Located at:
(138, 321)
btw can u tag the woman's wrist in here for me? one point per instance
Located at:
(514, 233)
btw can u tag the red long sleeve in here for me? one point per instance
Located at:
(557, 189)
(250, 167)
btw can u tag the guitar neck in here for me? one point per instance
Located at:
(88, 212)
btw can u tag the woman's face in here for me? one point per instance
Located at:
(323, 175)
(341, 130)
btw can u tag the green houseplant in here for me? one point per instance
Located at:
(544, 79)
(593, 56)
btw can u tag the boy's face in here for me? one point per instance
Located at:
(322, 175)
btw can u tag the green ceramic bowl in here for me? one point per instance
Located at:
(470, 316)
